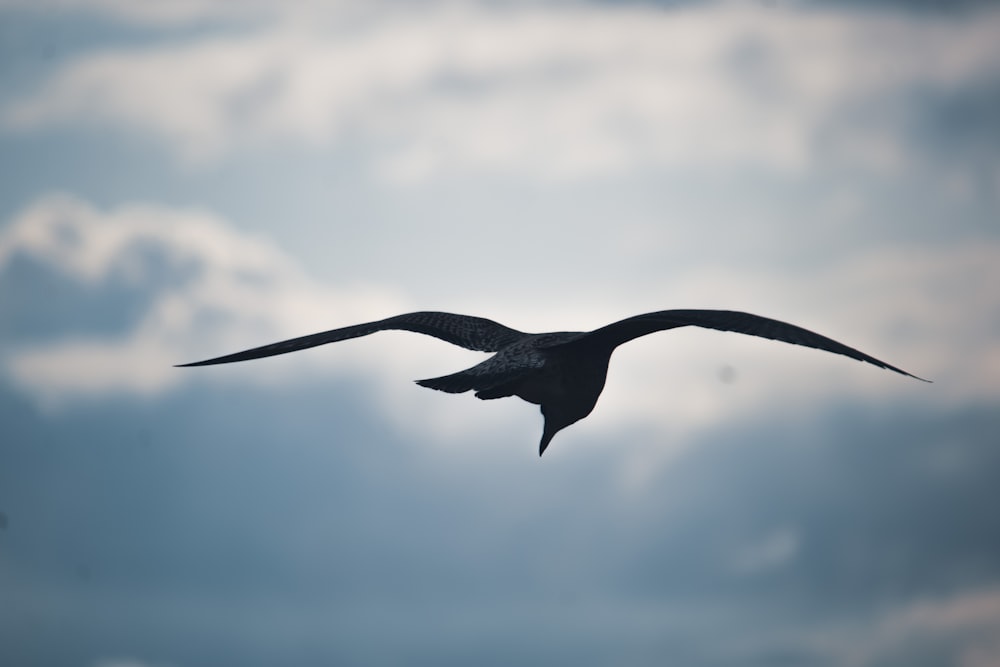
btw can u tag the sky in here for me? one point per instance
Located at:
(186, 179)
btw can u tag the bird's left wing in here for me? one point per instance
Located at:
(473, 333)
(628, 329)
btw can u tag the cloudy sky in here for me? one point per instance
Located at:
(182, 179)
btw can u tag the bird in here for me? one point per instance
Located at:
(562, 372)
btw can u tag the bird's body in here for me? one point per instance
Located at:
(562, 372)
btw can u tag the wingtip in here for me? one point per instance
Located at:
(906, 373)
(915, 377)
(215, 361)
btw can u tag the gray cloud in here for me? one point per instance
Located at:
(909, 6)
(902, 6)
(262, 522)
(554, 92)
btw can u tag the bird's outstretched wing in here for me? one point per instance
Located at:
(630, 328)
(473, 333)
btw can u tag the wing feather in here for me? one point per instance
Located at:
(473, 333)
(630, 328)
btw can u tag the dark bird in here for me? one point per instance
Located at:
(563, 372)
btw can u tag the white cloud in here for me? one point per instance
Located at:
(554, 91)
(232, 289)
(91, 245)
(171, 13)
(969, 621)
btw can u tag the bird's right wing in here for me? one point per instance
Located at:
(628, 329)
(473, 333)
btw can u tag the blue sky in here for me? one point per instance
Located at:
(185, 179)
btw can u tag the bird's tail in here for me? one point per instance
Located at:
(456, 383)
(485, 386)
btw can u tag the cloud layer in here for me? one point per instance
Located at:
(200, 282)
(277, 524)
(553, 91)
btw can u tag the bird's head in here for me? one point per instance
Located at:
(547, 434)
(555, 421)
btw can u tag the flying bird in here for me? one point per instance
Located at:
(562, 372)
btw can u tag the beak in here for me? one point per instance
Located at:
(547, 434)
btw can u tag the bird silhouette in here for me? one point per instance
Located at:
(562, 372)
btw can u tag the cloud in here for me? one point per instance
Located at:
(170, 13)
(263, 521)
(203, 285)
(559, 91)
(963, 627)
